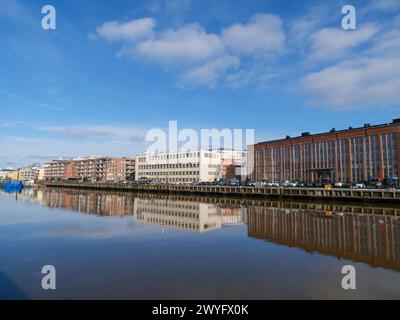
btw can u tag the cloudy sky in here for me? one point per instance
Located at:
(109, 72)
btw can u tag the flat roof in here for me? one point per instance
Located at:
(333, 131)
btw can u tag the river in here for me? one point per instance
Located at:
(114, 245)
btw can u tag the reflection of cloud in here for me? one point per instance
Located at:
(77, 230)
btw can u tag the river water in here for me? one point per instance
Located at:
(108, 245)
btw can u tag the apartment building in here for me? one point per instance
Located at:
(179, 167)
(121, 169)
(29, 174)
(91, 168)
(55, 169)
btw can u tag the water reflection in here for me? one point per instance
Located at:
(368, 234)
(369, 238)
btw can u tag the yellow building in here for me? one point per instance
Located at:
(9, 174)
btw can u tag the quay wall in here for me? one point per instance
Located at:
(261, 192)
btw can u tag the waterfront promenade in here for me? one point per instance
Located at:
(263, 192)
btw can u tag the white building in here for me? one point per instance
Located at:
(41, 172)
(181, 167)
(29, 174)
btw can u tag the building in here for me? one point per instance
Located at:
(55, 170)
(9, 174)
(369, 153)
(232, 163)
(121, 169)
(91, 169)
(29, 173)
(41, 173)
(179, 167)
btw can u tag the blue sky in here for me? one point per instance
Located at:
(110, 72)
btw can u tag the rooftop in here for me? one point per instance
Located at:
(333, 130)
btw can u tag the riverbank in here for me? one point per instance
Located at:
(264, 192)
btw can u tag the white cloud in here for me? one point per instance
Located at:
(188, 44)
(383, 5)
(104, 132)
(206, 59)
(263, 34)
(129, 30)
(209, 73)
(357, 83)
(387, 44)
(256, 76)
(71, 141)
(334, 43)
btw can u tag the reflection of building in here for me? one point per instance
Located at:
(374, 239)
(184, 214)
(356, 154)
(180, 167)
(231, 215)
(192, 216)
(98, 203)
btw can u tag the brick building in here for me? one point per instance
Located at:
(91, 169)
(120, 169)
(369, 153)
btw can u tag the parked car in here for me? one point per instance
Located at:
(272, 184)
(359, 185)
(285, 183)
(318, 185)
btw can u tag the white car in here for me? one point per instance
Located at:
(272, 184)
(285, 183)
(360, 186)
(339, 185)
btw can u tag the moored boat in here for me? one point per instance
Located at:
(13, 186)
